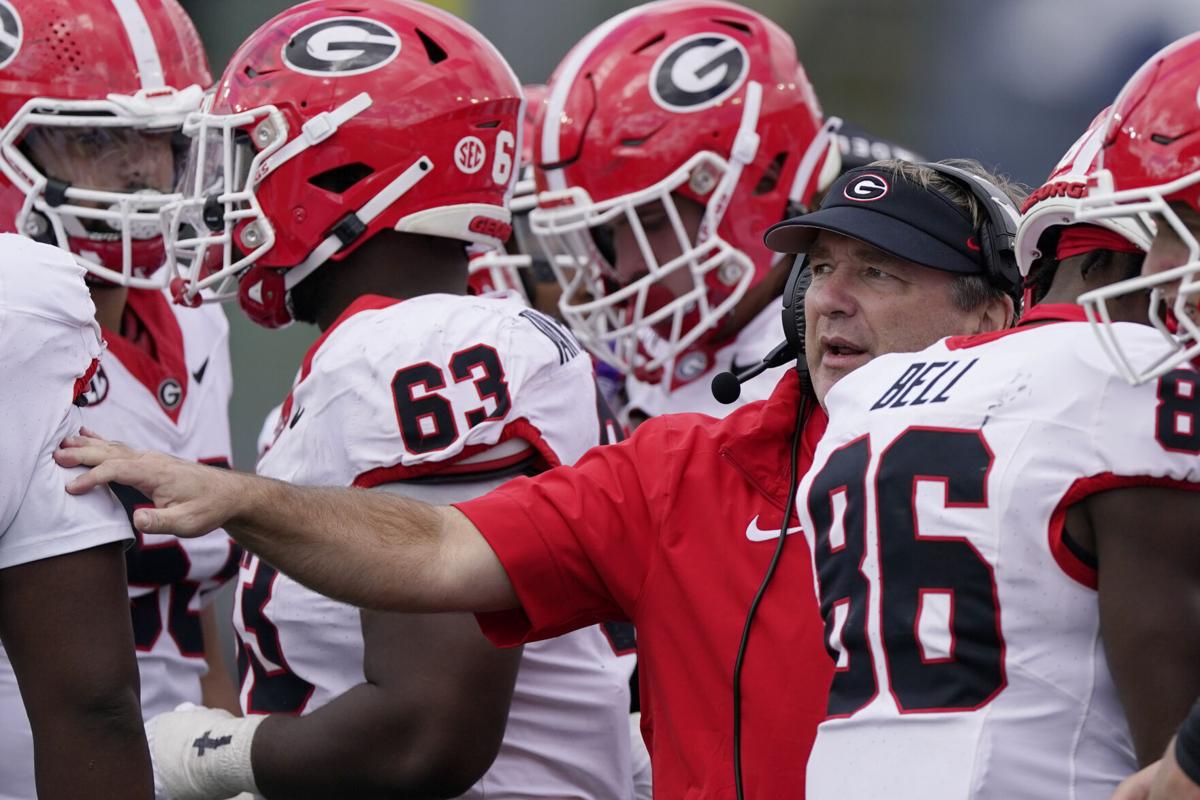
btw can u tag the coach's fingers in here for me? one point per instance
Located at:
(1137, 786)
(180, 520)
(75, 455)
(87, 451)
(130, 473)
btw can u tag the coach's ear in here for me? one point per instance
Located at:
(997, 314)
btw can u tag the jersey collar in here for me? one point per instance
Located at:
(1042, 313)
(165, 373)
(366, 302)
(1053, 312)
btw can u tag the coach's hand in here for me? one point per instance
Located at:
(1162, 780)
(1137, 786)
(190, 499)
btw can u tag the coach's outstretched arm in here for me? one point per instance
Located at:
(371, 549)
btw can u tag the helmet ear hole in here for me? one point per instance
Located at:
(770, 177)
(340, 180)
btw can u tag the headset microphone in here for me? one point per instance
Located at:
(727, 386)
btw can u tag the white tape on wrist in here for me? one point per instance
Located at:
(202, 753)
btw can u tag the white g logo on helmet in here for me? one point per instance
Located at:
(698, 72)
(340, 47)
(11, 33)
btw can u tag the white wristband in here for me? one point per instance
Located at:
(202, 753)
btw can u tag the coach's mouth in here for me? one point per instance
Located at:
(841, 354)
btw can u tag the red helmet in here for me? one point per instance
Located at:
(91, 95)
(333, 122)
(680, 98)
(498, 269)
(1149, 158)
(1055, 202)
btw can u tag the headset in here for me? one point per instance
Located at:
(996, 235)
(997, 232)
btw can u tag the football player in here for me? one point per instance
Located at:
(1153, 175)
(673, 135)
(64, 611)
(1021, 494)
(345, 161)
(89, 154)
(1051, 240)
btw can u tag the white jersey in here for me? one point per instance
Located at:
(760, 336)
(963, 622)
(176, 402)
(49, 347)
(435, 386)
(49, 342)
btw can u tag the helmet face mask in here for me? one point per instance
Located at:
(1149, 174)
(702, 100)
(96, 175)
(1174, 292)
(640, 325)
(89, 151)
(217, 228)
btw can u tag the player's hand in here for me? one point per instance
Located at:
(201, 753)
(190, 499)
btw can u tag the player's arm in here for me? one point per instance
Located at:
(217, 686)
(66, 627)
(369, 549)
(427, 722)
(1149, 594)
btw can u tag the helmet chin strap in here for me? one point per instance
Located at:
(745, 148)
(317, 130)
(354, 224)
(823, 143)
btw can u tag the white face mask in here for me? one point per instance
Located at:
(1174, 293)
(96, 176)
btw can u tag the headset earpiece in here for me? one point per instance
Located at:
(997, 233)
(793, 304)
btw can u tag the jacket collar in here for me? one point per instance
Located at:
(761, 448)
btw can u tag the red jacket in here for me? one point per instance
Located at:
(671, 530)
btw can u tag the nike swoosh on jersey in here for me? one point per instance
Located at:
(296, 418)
(756, 534)
(199, 374)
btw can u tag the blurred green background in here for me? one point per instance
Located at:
(1011, 82)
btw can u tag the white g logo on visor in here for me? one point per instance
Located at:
(866, 189)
